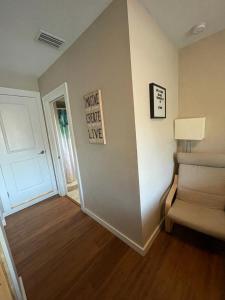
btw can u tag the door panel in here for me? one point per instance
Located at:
(21, 172)
(25, 159)
(17, 127)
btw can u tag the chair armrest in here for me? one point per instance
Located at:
(170, 196)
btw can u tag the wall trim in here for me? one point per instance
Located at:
(3, 221)
(142, 250)
(22, 288)
(10, 265)
(152, 237)
(2, 217)
(19, 92)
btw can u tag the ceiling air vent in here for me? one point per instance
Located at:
(50, 39)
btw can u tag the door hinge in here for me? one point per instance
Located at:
(8, 194)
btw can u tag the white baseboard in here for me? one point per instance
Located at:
(22, 288)
(152, 238)
(140, 249)
(3, 221)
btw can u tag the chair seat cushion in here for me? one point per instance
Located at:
(207, 220)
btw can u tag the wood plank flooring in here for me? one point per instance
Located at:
(62, 254)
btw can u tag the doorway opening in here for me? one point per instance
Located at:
(62, 143)
(65, 143)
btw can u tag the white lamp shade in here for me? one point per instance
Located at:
(190, 129)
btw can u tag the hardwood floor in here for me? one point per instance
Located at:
(63, 254)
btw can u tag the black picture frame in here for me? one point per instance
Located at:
(153, 113)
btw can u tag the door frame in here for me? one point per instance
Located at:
(3, 191)
(48, 100)
(16, 281)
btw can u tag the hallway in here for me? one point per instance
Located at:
(63, 254)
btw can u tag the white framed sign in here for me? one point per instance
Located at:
(94, 117)
(157, 101)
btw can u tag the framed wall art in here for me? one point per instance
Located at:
(94, 117)
(157, 101)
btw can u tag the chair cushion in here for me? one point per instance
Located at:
(202, 159)
(207, 220)
(202, 185)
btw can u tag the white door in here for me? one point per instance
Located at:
(26, 168)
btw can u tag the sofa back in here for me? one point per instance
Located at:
(201, 179)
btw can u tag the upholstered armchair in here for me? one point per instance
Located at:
(197, 196)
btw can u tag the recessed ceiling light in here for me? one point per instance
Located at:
(198, 28)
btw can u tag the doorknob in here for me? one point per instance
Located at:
(42, 152)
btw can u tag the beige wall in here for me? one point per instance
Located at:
(18, 81)
(202, 89)
(154, 59)
(100, 59)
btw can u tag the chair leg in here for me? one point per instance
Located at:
(168, 225)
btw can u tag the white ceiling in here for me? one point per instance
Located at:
(176, 17)
(21, 20)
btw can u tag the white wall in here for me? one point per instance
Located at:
(100, 59)
(111, 173)
(202, 93)
(14, 80)
(153, 59)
